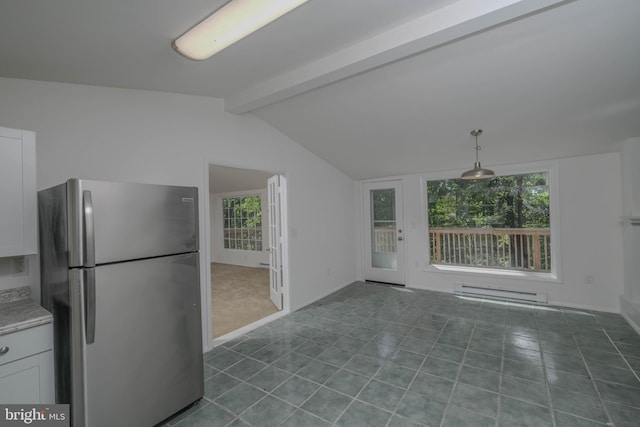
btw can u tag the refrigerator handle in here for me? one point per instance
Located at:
(90, 304)
(87, 228)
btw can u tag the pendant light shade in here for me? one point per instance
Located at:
(478, 172)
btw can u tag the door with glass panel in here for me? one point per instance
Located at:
(274, 193)
(383, 232)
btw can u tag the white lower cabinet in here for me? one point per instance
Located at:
(26, 366)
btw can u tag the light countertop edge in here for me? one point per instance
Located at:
(22, 313)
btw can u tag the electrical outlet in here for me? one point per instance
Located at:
(20, 266)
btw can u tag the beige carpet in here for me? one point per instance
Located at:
(239, 296)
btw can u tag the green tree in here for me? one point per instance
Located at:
(512, 201)
(242, 222)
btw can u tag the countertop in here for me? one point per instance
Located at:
(18, 311)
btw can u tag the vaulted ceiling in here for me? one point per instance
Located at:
(375, 87)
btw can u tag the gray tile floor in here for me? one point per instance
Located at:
(374, 355)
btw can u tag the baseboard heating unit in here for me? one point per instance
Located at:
(502, 294)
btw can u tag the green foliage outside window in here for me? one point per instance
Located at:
(242, 223)
(476, 222)
(384, 208)
(513, 201)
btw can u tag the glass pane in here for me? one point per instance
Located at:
(502, 223)
(242, 222)
(383, 229)
(384, 204)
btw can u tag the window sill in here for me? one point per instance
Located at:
(485, 272)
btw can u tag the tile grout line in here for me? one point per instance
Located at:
(269, 393)
(500, 373)
(321, 385)
(393, 411)
(635, 374)
(591, 377)
(504, 346)
(455, 382)
(403, 318)
(354, 398)
(426, 356)
(544, 372)
(297, 407)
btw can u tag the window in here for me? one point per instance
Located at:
(500, 223)
(242, 223)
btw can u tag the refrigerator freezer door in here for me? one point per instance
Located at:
(146, 359)
(113, 222)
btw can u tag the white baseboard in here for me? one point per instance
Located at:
(322, 295)
(630, 312)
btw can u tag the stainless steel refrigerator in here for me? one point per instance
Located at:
(119, 272)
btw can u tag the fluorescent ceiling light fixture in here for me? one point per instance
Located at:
(232, 22)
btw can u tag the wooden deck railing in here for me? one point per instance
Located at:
(513, 248)
(384, 239)
(510, 248)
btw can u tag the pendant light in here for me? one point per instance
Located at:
(478, 172)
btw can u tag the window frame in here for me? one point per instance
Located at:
(554, 217)
(236, 195)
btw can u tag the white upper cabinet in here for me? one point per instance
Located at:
(18, 203)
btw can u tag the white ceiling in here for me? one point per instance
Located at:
(375, 87)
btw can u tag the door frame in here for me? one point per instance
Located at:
(365, 186)
(205, 257)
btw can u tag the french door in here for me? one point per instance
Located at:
(274, 195)
(384, 246)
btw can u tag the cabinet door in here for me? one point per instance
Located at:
(28, 380)
(18, 208)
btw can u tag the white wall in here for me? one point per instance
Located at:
(631, 177)
(9, 279)
(139, 136)
(590, 207)
(631, 209)
(235, 256)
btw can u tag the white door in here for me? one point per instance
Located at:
(274, 200)
(383, 232)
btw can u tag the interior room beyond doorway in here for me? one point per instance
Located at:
(239, 296)
(240, 248)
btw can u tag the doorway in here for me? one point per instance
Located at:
(246, 214)
(384, 241)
